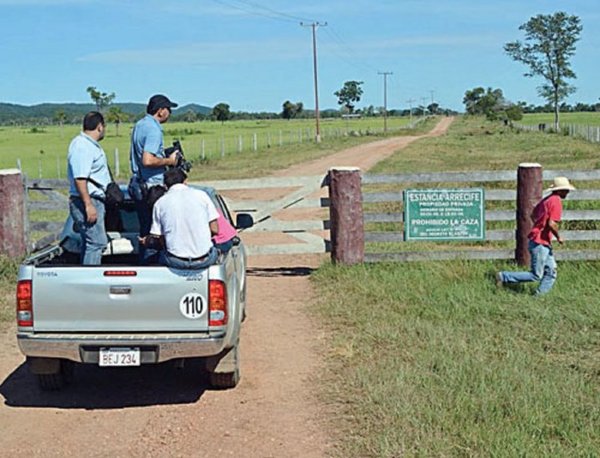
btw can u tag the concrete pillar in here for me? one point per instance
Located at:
(346, 216)
(12, 213)
(529, 193)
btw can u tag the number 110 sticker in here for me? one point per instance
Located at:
(192, 306)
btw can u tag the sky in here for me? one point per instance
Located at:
(255, 54)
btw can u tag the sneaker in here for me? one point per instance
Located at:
(499, 281)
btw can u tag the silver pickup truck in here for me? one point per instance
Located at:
(124, 314)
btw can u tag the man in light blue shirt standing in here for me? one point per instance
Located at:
(147, 158)
(88, 176)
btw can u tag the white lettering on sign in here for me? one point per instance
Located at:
(192, 306)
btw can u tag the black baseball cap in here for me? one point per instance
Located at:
(157, 102)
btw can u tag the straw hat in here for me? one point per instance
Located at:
(560, 184)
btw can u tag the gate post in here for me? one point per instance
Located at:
(346, 216)
(12, 213)
(529, 192)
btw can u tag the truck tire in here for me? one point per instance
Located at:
(56, 381)
(225, 380)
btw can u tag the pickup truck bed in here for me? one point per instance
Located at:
(124, 314)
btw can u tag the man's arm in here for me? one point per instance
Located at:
(90, 210)
(214, 227)
(553, 225)
(152, 161)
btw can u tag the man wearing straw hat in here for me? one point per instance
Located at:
(545, 216)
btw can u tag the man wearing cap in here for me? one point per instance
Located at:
(545, 216)
(147, 158)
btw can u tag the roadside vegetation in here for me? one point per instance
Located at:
(42, 150)
(431, 359)
(8, 278)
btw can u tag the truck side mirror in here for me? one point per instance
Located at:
(244, 221)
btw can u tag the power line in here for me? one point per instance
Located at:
(255, 9)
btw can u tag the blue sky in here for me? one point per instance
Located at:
(253, 54)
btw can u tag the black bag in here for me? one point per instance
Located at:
(113, 196)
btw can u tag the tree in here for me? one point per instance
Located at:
(60, 116)
(190, 116)
(433, 108)
(101, 99)
(116, 115)
(479, 101)
(349, 94)
(221, 112)
(291, 110)
(549, 43)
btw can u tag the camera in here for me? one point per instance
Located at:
(182, 163)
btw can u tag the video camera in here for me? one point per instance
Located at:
(182, 163)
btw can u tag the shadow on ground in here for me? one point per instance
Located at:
(94, 387)
(279, 271)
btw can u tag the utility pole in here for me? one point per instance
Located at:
(385, 74)
(314, 26)
(423, 102)
(410, 102)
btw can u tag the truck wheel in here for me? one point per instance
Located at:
(56, 381)
(223, 380)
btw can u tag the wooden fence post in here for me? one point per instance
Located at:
(12, 213)
(529, 192)
(346, 216)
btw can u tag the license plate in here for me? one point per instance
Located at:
(110, 357)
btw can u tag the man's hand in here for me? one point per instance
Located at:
(91, 213)
(559, 240)
(172, 159)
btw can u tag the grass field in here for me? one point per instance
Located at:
(586, 119)
(431, 359)
(42, 150)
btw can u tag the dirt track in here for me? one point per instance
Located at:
(163, 411)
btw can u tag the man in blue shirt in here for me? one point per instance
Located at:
(147, 158)
(88, 176)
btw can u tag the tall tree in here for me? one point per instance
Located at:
(349, 94)
(101, 99)
(116, 115)
(291, 110)
(549, 43)
(221, 112)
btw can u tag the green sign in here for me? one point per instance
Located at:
(444, 214)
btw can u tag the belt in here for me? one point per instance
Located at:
(98, 198)
(201, 258)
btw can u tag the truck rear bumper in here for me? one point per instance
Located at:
(154, 348)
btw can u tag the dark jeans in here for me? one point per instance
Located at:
(169, 260)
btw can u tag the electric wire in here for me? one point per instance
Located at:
(255, 9)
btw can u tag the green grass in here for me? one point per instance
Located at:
(430, 359)
(27, 143)
(584, 118)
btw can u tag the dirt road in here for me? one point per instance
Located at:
(163, 411)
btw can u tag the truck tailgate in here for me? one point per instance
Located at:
(113, 299)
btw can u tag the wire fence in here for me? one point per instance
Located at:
(585, 132)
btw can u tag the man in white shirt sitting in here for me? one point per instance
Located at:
(184, 220)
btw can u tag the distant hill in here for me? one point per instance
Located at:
(10, 113)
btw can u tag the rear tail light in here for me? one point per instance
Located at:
(24, 303)
(217, 303)
(120, 273)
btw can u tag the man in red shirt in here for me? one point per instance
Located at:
(545, 216)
